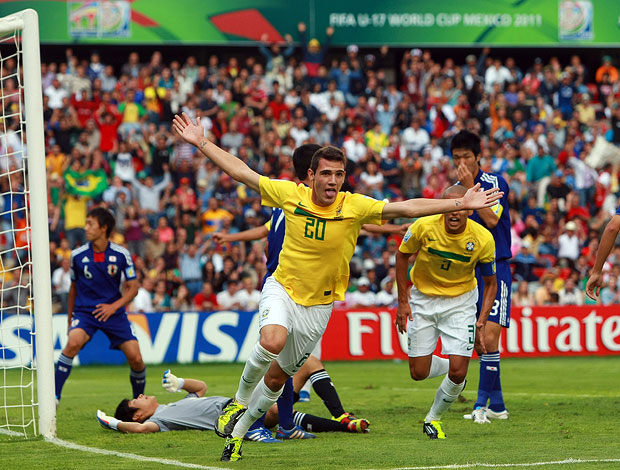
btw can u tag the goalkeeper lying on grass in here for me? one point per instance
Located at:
(195, 411)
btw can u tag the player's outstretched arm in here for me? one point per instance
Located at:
(595, 281)
(420, 207)
(252, 234)
(108, 422)
(193, 133)
(172, 384)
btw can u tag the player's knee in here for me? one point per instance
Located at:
(458, 377)
(274, 382)
(417, 374)
(273, 343)
(136, 362)
(72, 348)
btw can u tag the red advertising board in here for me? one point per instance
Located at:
(369, 334)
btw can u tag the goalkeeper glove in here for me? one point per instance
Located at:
(171, 382)
(107, 422)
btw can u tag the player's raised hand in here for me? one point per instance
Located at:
(593, 287)
(465, 176)
(475, 199)
(104, 311)
(171, 382)
(403, 312)
(107, 422)
(189, 131)
(220, 237)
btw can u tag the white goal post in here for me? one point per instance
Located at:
(19, 44)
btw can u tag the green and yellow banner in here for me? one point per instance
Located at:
(395, 22)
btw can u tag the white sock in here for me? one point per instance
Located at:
(447, 393)
(255, 368)
(262, 399)
(439, 366)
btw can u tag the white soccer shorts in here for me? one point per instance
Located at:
(451, 318)
(305, 325)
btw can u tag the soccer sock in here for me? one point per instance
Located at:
(313, 423)
(496, 402)
(63, 369)
(259, 423)
(254, 370)
(439, 366)
(489, 373)
(447, 393)
(262, 399)
(285, 406)
(324, 388)
(138, 381)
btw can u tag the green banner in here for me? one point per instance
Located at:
(395, 22)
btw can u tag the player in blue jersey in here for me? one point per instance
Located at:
(465, 148)
(96, 301)
(608, 239)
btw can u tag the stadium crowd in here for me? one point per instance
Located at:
(109, 141)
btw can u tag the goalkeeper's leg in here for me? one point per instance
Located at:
(75, 342)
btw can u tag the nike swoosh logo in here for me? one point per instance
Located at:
(301, 204)
(432, 239)
(243, 378)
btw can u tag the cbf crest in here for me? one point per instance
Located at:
(470, 246)
(112, 269)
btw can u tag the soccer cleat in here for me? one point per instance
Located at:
(479, 415)
(433, 430)
(345, 418)
(261, 434)
(228, 418)
(232, 450)
(304, 396)
(358, 425)
(489, 413)
(295, 433)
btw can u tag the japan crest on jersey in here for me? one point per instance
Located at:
(112, 269)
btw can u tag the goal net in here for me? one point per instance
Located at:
(27, 406)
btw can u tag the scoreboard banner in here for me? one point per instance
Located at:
(353, 335)
(397, 22)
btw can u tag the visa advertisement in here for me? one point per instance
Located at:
(397, 22)
(352, 335)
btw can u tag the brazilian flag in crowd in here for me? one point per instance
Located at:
(88, 183)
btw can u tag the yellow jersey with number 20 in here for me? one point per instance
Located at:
(446, 262)
(319, 241)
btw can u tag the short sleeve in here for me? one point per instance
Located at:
(411, 240)
(488, 251)
(130, 270)
(369, 210)
(275, 192)
(267, 225)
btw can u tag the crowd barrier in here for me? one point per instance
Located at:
(352, 334)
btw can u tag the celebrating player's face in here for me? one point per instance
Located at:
(326, 182)
(455, 222)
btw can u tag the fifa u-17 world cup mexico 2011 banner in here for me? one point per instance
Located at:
(355, 334)
(397, 22)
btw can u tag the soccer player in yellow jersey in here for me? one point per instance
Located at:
(322, 225)
(443, 298)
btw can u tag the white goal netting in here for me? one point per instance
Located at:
(19, 407)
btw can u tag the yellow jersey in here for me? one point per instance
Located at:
(319, 241)
(446, 262)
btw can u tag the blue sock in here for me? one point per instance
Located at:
(496, 403)
(285, 406)
(138, 381)
(259, 423)
(489, 372)
(63, 369)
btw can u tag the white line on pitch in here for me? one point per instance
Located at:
(124, 455)
(506, 465)
(524, 394)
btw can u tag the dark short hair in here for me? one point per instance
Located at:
(124, 412)
(302, 158)
(466, 140)
(104, 218)
(330, 153)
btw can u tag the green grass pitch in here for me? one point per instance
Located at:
(561, 408)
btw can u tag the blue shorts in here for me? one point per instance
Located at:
(117, 328)
(500, 312)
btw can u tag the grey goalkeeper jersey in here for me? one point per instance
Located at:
(190, 412)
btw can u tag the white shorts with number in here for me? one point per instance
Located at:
(451, 318)
(305, 325)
